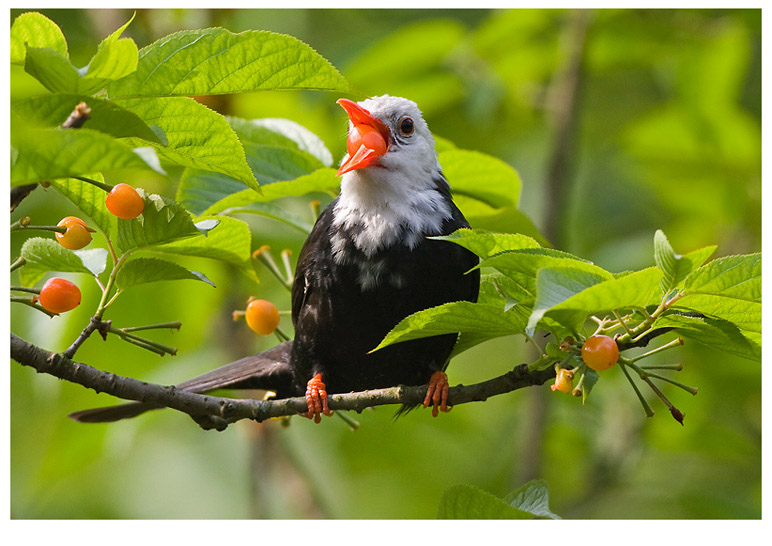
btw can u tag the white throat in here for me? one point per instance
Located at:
(379, 207)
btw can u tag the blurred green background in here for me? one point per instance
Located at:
(665, 133)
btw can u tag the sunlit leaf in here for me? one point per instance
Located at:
(32, 29)
(45, 254)
(105, 116)
(196, 136)
(485, 321)
(675, 266)
(728, 288)
(216, 61)
(162, 221)
(485, 244)
(230, 242)
(45, 154)
(90, 200)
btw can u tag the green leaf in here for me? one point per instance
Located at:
(282, 132)
(728, 288)
(52, 69)
(555, 297)
(113, 61)
(216, 61)
(45, 154)
(522, 265)
(555, 286)
(715, 333)
(197, 136)
(675, 266)
(230, 242)
(117, 34)
(162, 221)
(33, 29)
(484, 321)
(481, 177)
(533, 497)
(90, 200)
(502, 220)
(321, 180)
(469, 502)
(144, 270)
(43, 255)
(486, 244)
(105, 117)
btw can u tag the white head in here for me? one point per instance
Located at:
(389, 188)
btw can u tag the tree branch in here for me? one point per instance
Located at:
(212, 412)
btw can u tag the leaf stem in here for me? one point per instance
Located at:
(622, 322)
(25, 289)
(176, 325)
(280, 334)
(644, 403)
(101, 185)
(21, 261)
(264, 255)
(675, 343)
(29, 302)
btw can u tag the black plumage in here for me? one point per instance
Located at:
(355, 281)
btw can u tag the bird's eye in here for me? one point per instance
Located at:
(406, 126)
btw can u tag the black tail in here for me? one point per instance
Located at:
(268, 370)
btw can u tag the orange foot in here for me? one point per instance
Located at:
(316, 398)
(437, 393)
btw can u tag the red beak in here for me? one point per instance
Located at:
(367, 138)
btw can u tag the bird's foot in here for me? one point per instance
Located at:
(437, 393)
(316, 398)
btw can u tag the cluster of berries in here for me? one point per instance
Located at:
(60, 295)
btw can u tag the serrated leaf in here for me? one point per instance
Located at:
(34, 29)
(484, 321)
(113, 61)
(43, 255)
(286, 130)
(162, 221)
(117, 34)
(196, 136)
(271, 156)
(637, 289)
(469, 502)
(555, 286)
(90, 200)
(502, 220)
(144, 270)
(522, 265)
(46, 154)
(105, 117)
(230, 241)
(216, 61)
(728, 288)
(321, 180)
(485, 244)
(52, 69)
(533, 497)
(715, 333)
(675, 266)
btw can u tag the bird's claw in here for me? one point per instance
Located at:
(316, 398)
(437, 393)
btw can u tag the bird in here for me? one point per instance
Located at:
(371, 259)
